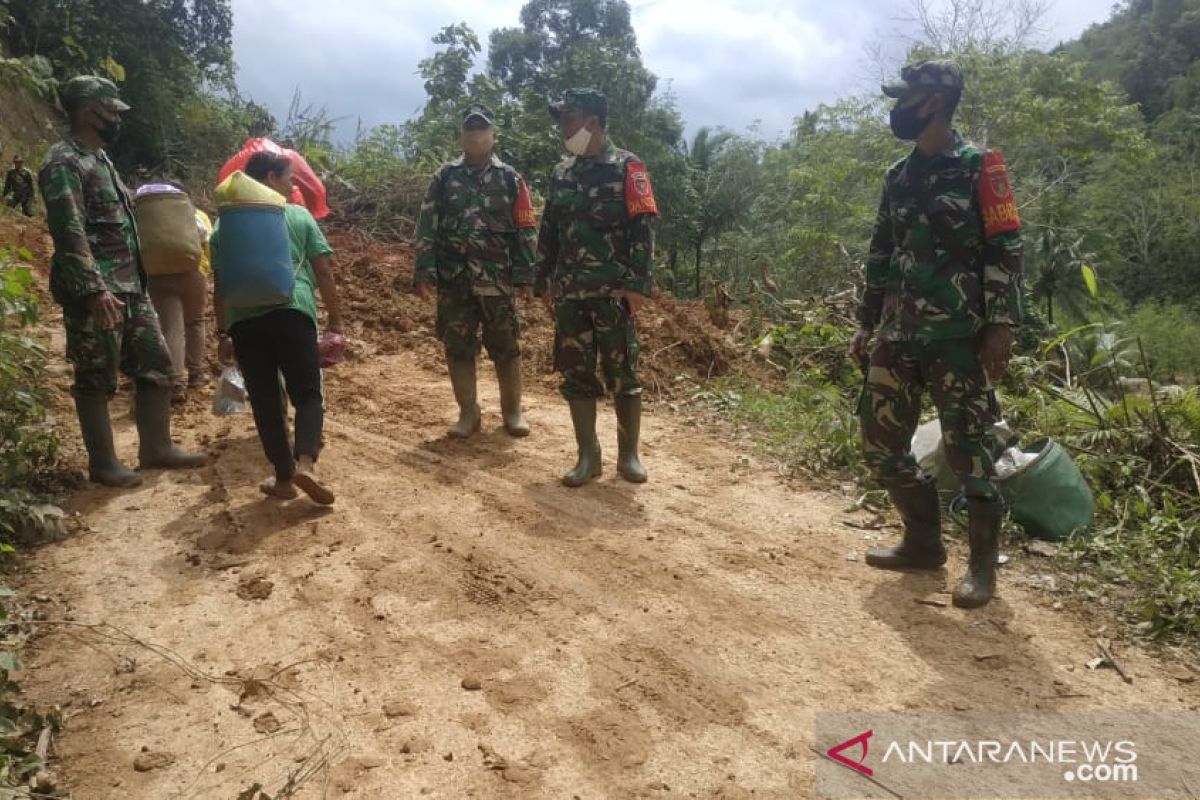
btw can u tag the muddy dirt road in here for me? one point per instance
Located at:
(459, 625)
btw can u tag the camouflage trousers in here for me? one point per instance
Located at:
(594, 328)
(460, 316)
(890, 410)
(136, 347)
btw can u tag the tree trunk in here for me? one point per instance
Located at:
(1050, 308)
(699, 253)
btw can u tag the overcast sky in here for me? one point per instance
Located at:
(729, 62)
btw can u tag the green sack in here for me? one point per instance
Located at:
(1048, 495)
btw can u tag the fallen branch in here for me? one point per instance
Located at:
(1111, 660)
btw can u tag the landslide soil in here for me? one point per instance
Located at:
(460, 625)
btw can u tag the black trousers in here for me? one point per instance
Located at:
(282, 341)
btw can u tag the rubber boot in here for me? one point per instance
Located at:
(984, 518)
(462, 379)
(509, 376)
(583, 417)
(152, 411)
(629, 426)
(103, 465)
(921, 547)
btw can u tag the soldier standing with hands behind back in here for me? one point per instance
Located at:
(595, 251)
(96, 276)
(942, 300)
(475, 240)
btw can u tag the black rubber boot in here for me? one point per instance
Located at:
(103, 465)
(921, 547)
(583, 417)
(629, 426)
(509, 376)
(152, 411)
(462, 380)
(984, 518)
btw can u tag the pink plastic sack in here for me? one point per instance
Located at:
(331, 349)
(308, 190)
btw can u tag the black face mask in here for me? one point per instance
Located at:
(907, 124)
(111, 131)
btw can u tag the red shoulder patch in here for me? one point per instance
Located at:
(639, 194)
(523, 213)
(996, 200)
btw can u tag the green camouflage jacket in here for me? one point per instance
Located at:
(947, 280)
(597, 233)
(90, 215)
(18, 182)
(479, 222)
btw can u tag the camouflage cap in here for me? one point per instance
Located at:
(932, 76)
(92, 89)
(592, 101)
(478, 110)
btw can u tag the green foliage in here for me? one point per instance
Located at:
(28, 444)
(810, 425)
(34, 73)
(173, 61)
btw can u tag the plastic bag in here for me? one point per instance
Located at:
(332, 349)
(230, 397)
(308, 192)
(240, 189)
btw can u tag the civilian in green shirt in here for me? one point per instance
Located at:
(278, 339)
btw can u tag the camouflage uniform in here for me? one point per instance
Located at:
(935, 276)
(89, 212)
(597, 239)
(19, 183)
(475, 242)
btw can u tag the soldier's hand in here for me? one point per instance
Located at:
(422, 289)
(106, 308)
(635, 301)
(525, 293)
(995, 350)
(860, 345)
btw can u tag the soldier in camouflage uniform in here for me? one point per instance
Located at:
(595, 251)
(475, 240)
(942, 300)
(96, 276)
(19, 184)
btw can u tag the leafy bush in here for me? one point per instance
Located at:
(28, 444)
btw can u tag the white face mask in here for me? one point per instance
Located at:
(579, 143)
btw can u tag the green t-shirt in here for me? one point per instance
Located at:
(306, 242)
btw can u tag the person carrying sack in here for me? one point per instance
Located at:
(174, 237)
(266, 311)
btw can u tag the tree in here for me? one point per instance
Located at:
(1060, 273)
(722, 171)
(165, 54)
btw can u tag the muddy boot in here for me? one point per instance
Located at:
(921, 547)
(152, 410)
(984, 518)
(629, 426)
(583, 417)
(462, 379)
(509, 376)
(103, 466)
